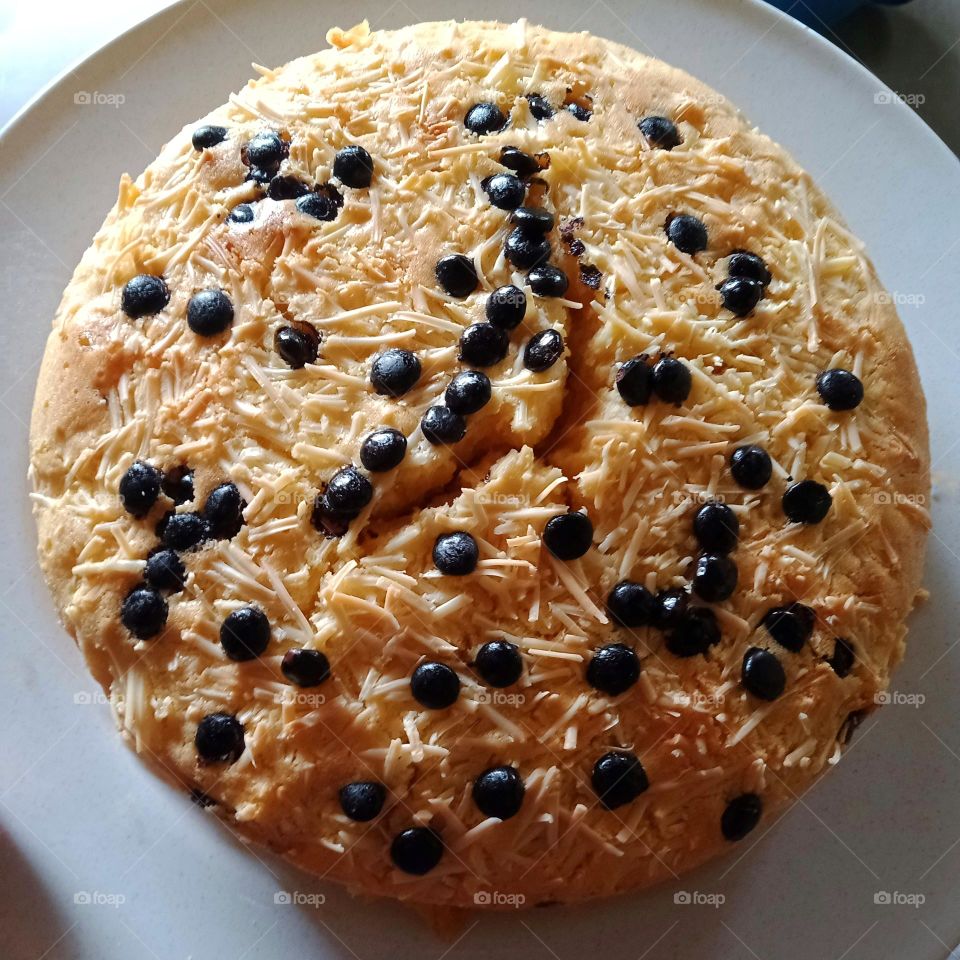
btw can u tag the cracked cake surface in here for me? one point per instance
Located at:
(475, 458)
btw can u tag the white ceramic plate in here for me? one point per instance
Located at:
(100, 859)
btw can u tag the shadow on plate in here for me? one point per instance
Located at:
(32, 923)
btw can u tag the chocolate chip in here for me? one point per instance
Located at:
(843, 657)
(484, 118)
(144, 296)
(525, 250)
(305, 668)
(165, 570)
(751, 466)
(547, 280)
(457, 275)
(696, 631)
(806, 502)
(362, 800)
(394, 372)
(139, 488)
(383, 449)
(287, 187)
(440, 425)
(660, 132)
(613, 669)
(483, 344)
(506, 306)
(416, 850)
(618, 778)
(223, 511)
(468, 392)
(505, 191)
(353, 167)
(569, 535)
(207, 136)
(672, 380)
(209, 312)
(245, 634)
(715, 577)
(542, 350)
(498, 792)
(219, 738)
(630, 604)
(297, 343)
(540, 107)
(434, 685)
(741, 815)
(143, 612)
(840, 389)
(499, 663)
(762, 674)
(456, 554)
(686, 232)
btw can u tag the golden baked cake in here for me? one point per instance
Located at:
(481, 466)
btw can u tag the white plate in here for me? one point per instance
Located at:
(82, 817)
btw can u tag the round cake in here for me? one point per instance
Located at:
(479, 465)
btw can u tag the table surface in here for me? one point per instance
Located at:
(57, 795)
(913, 49)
